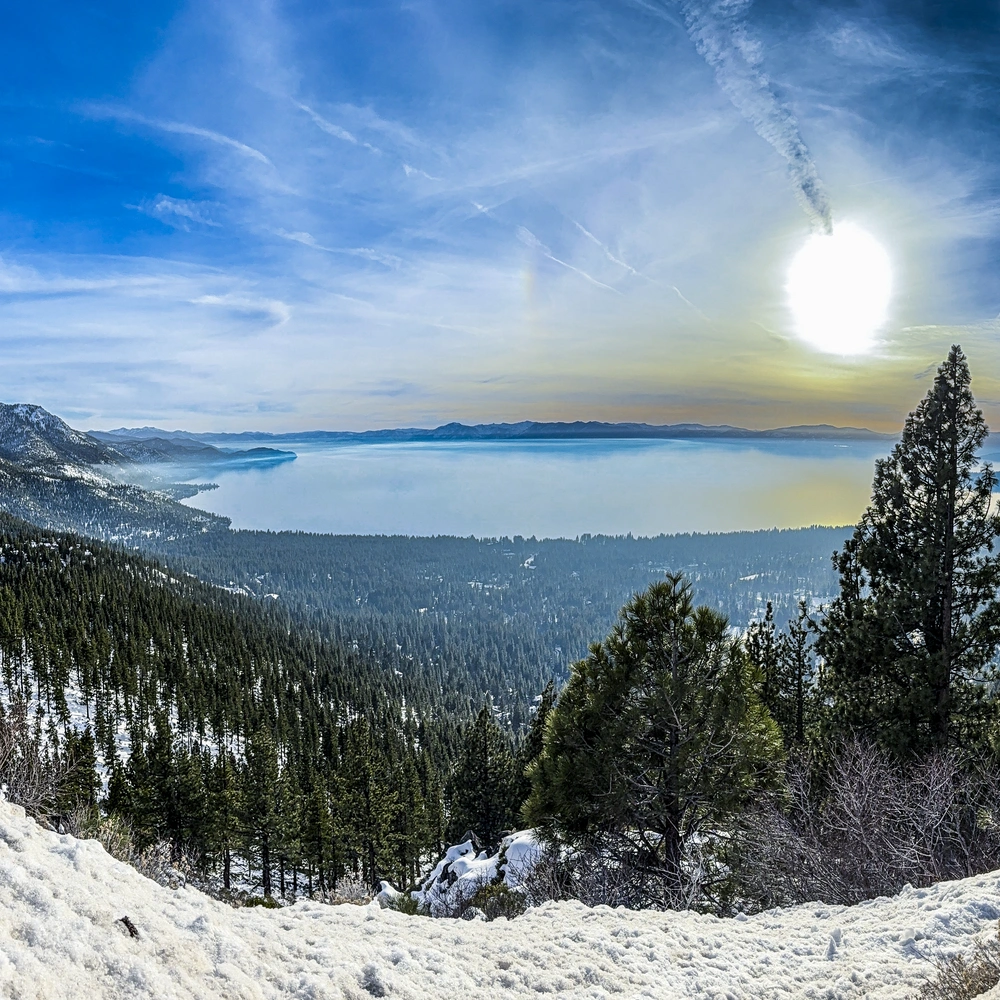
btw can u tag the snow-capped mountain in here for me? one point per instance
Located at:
(63, 479)
(32, 437)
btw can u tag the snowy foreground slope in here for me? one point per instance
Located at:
(61, 900)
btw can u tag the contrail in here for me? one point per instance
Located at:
(607, 251)
(631, 270)
(528, 238)
(724, 39)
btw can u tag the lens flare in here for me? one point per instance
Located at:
(838, 289)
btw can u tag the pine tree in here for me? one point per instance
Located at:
(483, 782)
(189, 819)
(318, 844)
(224, 814)
(81, 784)
(260, 807)
(531, 746)
(369, 803)
(909, 640)
(783, 662)
(798, 708)
(288, 838)
(658, 738)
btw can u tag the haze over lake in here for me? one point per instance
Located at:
(548, 488)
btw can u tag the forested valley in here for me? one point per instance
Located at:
(498, 618)
(286, 714)
(340, 706)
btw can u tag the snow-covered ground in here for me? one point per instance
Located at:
(61, 901)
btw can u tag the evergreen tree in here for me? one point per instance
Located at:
(260, 807)
(796, 711)
(909, 640)
(369, 803)
(411, 833)
(531, 746)
(189, 817)
(762, 647)
(224, 813)
(658, 737)
(81, 783)
(783, 661)
(318, 842)
(483, 783)
(288, 840)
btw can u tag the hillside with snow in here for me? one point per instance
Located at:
(62, 935)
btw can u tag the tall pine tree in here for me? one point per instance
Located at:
(917, 622)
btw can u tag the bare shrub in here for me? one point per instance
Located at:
(164, 865)
(111, 832)
(161, 861)
(350, 888)
(867, 828)
(608, 871)
(29, 775)
(963, 978)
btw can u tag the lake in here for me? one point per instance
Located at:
(546, 488)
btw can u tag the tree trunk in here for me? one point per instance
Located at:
(265, 863)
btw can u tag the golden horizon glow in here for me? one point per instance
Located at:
(838, 289)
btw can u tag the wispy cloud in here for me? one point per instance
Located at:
(177, 128)
(178, 212)
(279, 312)
(335, 130)
(368, 253)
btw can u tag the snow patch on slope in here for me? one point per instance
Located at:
(61, 936)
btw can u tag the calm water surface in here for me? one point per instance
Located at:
(548, 488)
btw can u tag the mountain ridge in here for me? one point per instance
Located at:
(66, 480)
(523, 430)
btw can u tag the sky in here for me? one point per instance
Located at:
(291, 215)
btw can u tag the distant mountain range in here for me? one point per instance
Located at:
(525, 430)
(135, 447)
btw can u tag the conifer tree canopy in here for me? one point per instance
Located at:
(658, 736)
(909, 640)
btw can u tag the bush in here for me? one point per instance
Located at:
(29, 776)
(497, 899)
(962, 978)
(404, 903)
(268, 902)
(865, 828)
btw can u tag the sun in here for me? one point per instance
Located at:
(838, 289)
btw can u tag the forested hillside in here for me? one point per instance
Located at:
(327, 730)
(510, 613)
(219, 726)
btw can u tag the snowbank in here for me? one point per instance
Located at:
(61, 901)
(462, 872)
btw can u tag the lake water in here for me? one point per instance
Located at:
(546, 488)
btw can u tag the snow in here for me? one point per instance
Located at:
(61, 936)
(462, 872)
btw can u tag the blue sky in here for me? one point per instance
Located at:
(290, 215)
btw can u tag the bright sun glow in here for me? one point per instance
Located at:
(838, 289)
